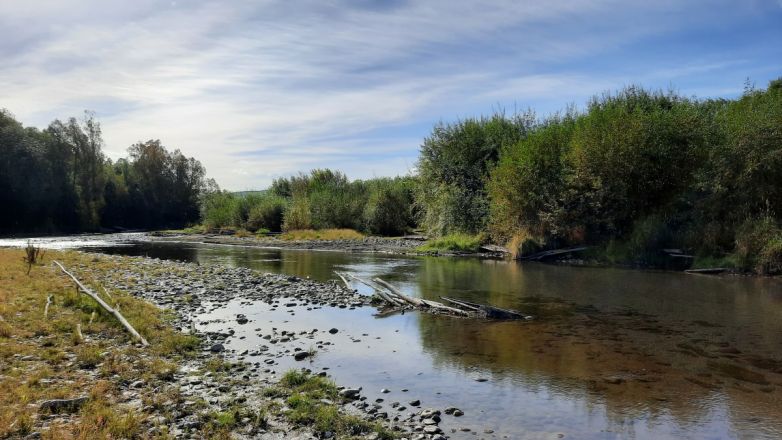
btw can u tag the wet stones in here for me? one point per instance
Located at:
(241, 319)
(301, 355)
(217, 348)
(350, 393)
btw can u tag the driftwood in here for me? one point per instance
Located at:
(46, 309)
(106, 307)
(379, 291)
(556, 253)
(487, 311)
(709, 271)
(413, 301)
(347, 284)
(494, 248)
(398, 302)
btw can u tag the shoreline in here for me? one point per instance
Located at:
(216, 383)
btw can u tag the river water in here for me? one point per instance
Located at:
(612, 353)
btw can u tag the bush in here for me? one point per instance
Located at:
(218, 210)
(453, 166)
(266, 213)
(298, 215)
(389, 208)
(758, 245)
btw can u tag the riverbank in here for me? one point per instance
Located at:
(408, 245)
(187, 384)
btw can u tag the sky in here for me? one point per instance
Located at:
(262, 89)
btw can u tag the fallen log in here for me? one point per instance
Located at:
(490, 312)
(494, 248)
(420, 302)
(547, 255)
(105, 306)
(384, 296)
(410, 300)
(347, 284)
(709, 270)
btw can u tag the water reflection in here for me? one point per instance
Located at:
(613, 353)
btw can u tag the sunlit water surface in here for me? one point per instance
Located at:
(613, 353)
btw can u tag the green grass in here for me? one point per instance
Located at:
(453, 243)
(307, 398)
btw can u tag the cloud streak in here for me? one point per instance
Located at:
(268, 88)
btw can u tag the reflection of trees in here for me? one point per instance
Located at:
(599, 362)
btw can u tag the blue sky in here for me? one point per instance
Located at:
(261, 89)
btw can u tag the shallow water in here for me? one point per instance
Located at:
(613, 353)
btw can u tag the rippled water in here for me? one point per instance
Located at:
(613, 354)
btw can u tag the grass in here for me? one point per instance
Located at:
(322, 234)
(59, 365)
(307, 397)
(453, 243)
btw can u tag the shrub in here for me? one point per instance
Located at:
(266, 213)
(758, 245)
(298, 215)
(389, 208)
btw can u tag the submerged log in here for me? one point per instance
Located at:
(490, 312)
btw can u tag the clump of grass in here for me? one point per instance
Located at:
(307, 397)
(243, 233)
(453, 243)
(322, 234)
(88, 357)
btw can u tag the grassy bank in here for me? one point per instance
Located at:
(44, 358)
(453, 243)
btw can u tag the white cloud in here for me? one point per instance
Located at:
(220, 79)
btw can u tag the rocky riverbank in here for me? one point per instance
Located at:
(190, 290)
(388, 245)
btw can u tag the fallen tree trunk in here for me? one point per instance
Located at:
(488, 311)
(347, 284)
(379, 291)
(105, 306)
(410, 300)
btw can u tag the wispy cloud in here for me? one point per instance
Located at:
(266, 88)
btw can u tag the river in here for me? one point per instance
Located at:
(612, 353)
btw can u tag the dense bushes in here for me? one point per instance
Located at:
(633, 173)
(322, 199)
(454, 163)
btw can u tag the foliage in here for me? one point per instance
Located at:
(454, 163)
(389, 207)
(58, 180)
(638, 171)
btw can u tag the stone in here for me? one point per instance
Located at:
(350, 393)
(301, 355)
(217, 348)
(333, 331)
(63, 405)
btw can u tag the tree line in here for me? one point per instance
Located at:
(320, 199)
(637, 171)
(59, 180)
